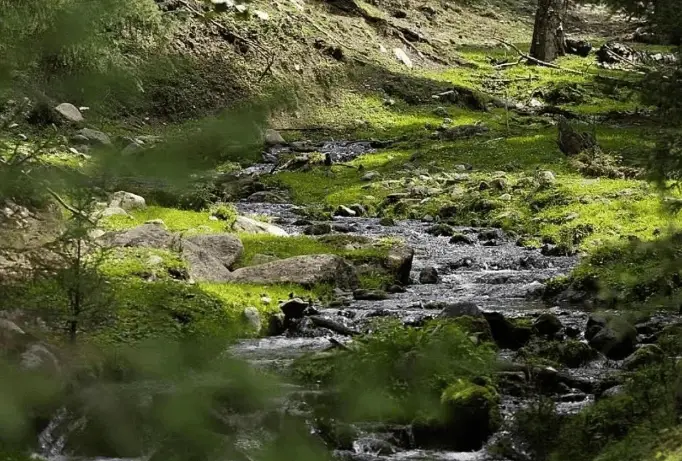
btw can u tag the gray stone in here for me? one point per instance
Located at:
(273, 138)
(399, 262)
(252, 318)
(344, 211)
(613, 336)
(69, 112)
(262, 259)
(428, 276)
(111, 211)
(546, 177)
(144, 236)
(306, 270)
(95, 137)
(370, 176)
(127, 201)
(369, 295)
(39, 357)
(318, 229)
(547, 324)
(403, 57)
(294, 308)
(454, 310)
(252, 226)
(226, 248)
(647, 354)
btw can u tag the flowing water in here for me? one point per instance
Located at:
(493, 272)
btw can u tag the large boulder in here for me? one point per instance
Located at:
(470, 416)
(454, 310)
(547, 324)
(127, 201)
(69, 112)
(204, 265)
(226, 248)
(145, 236)
(507, 334)
(399, 262)
(611, 335)
(306, 270)
(251, 226)
(645, 355)
(94, 137)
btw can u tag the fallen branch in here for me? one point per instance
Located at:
(332, 325)
(535, 60)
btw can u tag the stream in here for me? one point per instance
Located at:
(492, 272)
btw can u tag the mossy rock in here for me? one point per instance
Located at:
(570, 353)
(470, 415)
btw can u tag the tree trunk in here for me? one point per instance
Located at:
(548, 34)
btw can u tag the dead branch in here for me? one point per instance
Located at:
(530, 58)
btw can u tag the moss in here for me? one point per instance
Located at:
(176, 220)
(570, 353)
(143, 262)
(286, 247)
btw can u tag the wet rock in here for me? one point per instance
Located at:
(491, 243)
(441, 230)
(573, 397)
(344, 211)
(375, 447)
(471, 416)
(226, 248)
(507, 335)
(273, 138)
(267, 196)
(69, 112)
(613, 336)
(534, 289)
(369, 295)
(461, 263)
(547, 324)
(399, 262)
(396, 289)
(276, 324)
(344, 228)
(548, 380)
(461, 239)
(358, 209)
(252, 318)
(572, 332)
(294, 308)
(387, 221)
(492, 234)
(614, 391)
(306, 270)
(144, 236)
(94, 137)
(428, 276)
(454, 310)
(251, 226)
(645, 355)
(549, 249)
(318, 229)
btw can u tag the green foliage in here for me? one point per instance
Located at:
(537, 427)
(402, 370)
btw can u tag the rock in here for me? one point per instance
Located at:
(251, 226)
(369, 295)
(294, 308)
(223, 5)
(470, 416)
(441, 112)
(505, 197)
(393, 289)
(267, 196)
(647, 354)
(111, 211)
(578, 47)
(441, 230)
(154, 260)
(403, 57)
(461, 239)
(157, 222)
(345, 211)
(127, 201)
(534, 289)
(492, 234)
(572, 332)
(276, 324)
(399, 262)
(306, 270)
(370, 176)
(144, 236)
(613, 336)
(318, 229)
(252, 317)
(483, 185)
(358, 209)
(227, 248)
(454, 310)
(499, 183)
(614, 391)
(387, 221)
(507, 335)
(11, 336)
(262, 15)
(273, 138)
(131, 148)
(428, 276)
(203, 265)
(344, 228)
(69, 112)
(547, 324)
(94, 137)
(545, 178)
(39, 357)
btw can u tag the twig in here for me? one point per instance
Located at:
(537, 61)
(68, 207)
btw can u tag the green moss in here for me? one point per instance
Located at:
(143, 262)
(352, 248)
(464, 392)
(176, 220)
